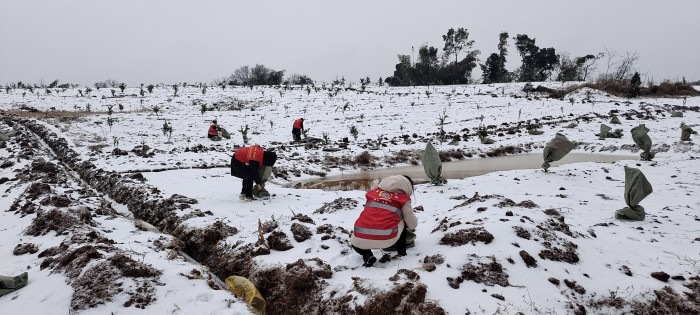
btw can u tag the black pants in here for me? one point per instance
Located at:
(242, 171)
(400, 247)
(296, 134)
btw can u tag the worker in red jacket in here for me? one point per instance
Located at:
(245, 164)
(385, 218)
(296, 129)
(213, 132)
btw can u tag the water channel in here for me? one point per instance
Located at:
(450, 170)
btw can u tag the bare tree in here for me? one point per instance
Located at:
(620, 68)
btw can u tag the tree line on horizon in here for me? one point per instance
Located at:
(537, 64)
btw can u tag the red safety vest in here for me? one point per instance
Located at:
(381, 216)
(213, 131)
(247, 154)
(297, 123)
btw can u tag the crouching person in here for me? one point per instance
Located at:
(245, 164)
(383, 221)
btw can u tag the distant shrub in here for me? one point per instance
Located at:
(504, 150)
(364, 158)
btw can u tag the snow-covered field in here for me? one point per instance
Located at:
(555, 246)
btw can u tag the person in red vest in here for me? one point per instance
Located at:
(296, 129)
(383, 221)
(245, 164)
(213, 132)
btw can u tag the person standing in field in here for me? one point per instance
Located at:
(297, 128)
(385, 218)
(246, 163)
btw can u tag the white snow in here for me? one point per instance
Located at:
(587, 194)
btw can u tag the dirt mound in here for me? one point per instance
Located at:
(522, 232)
(302, 218)
(337, 205)
(201, 243)
(105, 279)
(405, 298)
(490, 274)
(473, 199)
(529, 260)
(60, 201)
(464, 236)
(25, 248)
(568, 254)
(73, 262)
(278, 241)
(510, 203)
(295, 287)
(36, 190)
(300, 232)
(53, 220)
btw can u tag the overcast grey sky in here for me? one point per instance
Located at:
(153, 41)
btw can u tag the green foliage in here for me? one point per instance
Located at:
(150, 88)
(537, 63)
(494, 70)
(635, 85)
(167, 130)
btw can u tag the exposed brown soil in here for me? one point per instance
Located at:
(476, 198)
(522, 232)
(301, 232)
(278, 240)
(53, 220)
(510, 203)
(490, 274)
(660, 275)
(529, 260)
(336, 205)
(464, 236)
(25, 248)
(302, 218)
(568, 254)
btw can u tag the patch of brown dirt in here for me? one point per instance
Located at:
(278, 240)
(464, 236)
(53, 220)
(337, 205)
(300, 232)
(490, 274)
(510, 203)
(522, 232)
(60, 201)
(25, 248)
(405, 298)
(74, 261)
(36, 190)
(302, 218)
(568, 254)
(529, 260)
(476, 198)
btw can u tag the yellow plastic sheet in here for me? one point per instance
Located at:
(246, 291)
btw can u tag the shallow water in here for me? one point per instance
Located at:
(450, 170)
